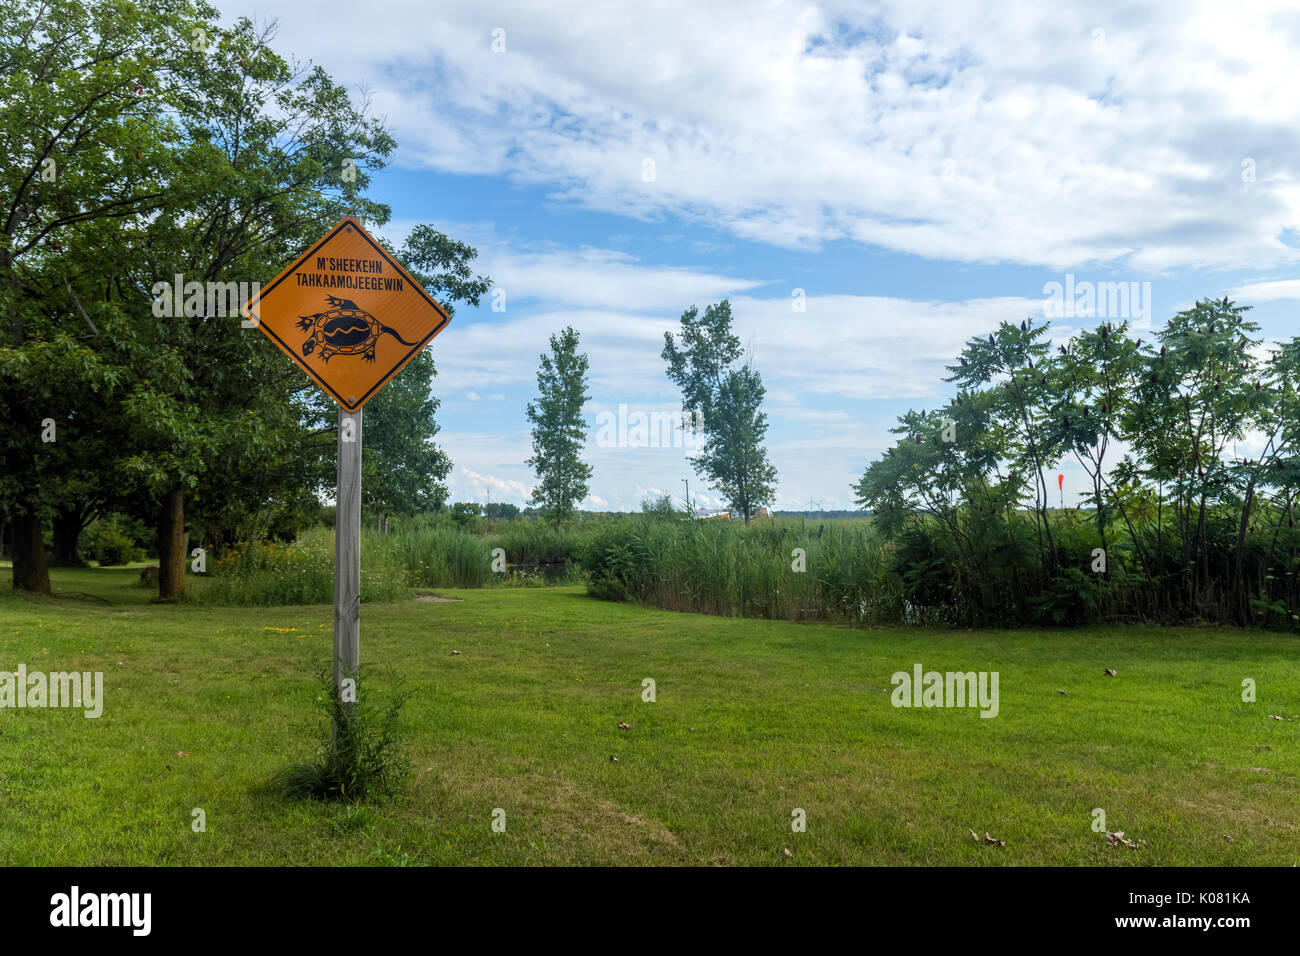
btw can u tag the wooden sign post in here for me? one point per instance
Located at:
(351, 317)
(347, 550)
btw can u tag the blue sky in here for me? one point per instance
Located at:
(919, 170)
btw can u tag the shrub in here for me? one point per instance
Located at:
(617, 562)
(925, 573)
(110, 542)
(1071, 598)
(466, 514)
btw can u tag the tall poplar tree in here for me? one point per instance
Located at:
(728, 401)
(559, 430)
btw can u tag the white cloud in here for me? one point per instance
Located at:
(988, 131)
(467, 484)
(1267, 291)
(845, 346)
(602, 278)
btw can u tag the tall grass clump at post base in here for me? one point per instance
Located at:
(360, 753)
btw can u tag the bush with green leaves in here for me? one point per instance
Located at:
(617, 562)
(112, 541)
(466, 515)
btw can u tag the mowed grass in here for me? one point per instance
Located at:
(753, 720)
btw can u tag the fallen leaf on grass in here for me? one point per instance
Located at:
(623, 726)
(786, 851)
(1110, 673)
(1227, 839)
(181, 753)
(455, 652)
(1275, 717)
(1118, 839)
(613, 759)
(993, 840)
(1063, 693)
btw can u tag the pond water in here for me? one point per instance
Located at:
(555, 573)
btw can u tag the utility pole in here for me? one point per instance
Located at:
(687, 481)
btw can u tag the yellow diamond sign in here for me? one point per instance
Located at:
(348, 314)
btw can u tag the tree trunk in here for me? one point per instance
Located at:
(67, 531)
(171, 545)
(30, 571)
(1238, 578)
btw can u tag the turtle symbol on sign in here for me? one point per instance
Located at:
(344, 329)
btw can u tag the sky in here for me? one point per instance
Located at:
(869, 184)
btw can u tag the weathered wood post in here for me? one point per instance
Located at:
(347, 552)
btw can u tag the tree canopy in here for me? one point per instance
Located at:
(146, 143)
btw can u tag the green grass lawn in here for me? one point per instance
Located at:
(753, 719)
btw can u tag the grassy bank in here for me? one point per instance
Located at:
(753, 720)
